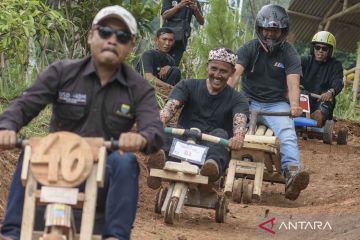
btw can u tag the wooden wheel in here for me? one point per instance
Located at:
(237, 190)
(328, 132)
(159, 201)
(248, 187)
(170, 211)
(221, 209)
(52, 236)
(55, 234)
(342, 137)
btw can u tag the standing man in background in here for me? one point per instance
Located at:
(177, 15)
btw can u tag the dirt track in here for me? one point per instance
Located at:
(333, 197)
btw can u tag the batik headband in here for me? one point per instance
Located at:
(221, 54)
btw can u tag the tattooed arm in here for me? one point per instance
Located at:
(169, 110)
(239, 129)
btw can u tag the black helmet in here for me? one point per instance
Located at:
(272, 16)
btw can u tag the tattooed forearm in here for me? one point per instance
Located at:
(239, 125)
(169, 110)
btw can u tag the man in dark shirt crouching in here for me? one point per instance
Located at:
(157, 64)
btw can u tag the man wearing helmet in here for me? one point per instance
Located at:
(323, 75)
(270, 68)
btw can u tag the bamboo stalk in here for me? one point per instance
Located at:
(357, 74)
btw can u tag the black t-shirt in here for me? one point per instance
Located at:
(208, 112)
(320, 77)
(152, 60)
(184, 13)
(264, 77)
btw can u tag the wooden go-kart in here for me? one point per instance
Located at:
(186, 185)
(257, 161)
(60, 162)
(307, 127)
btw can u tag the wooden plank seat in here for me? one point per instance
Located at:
(184, 167)
(178, 176)
(259, 160)
(265, 152)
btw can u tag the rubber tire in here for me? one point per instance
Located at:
(304, 136)
(221, 209)
(159, 200)
(342, 136)
(170, 211)
(328, 132)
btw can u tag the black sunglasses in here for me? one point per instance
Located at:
(324, 48)
(122, 36)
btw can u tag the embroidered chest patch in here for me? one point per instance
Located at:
(124, 111)
(72, 98)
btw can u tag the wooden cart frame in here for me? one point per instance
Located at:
(256, 162)
(186, 186)
(36, 170)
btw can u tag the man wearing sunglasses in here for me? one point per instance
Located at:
(157, 65)
(323, 75)
(97, 96)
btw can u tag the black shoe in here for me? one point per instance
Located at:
(211, 170)
(157, 161)
(296, 180)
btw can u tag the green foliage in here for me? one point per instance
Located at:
(159, 96)
(348, 60)
(22, 19)
(24, 24)
(33, 34)
(222, 29)
(83, 12)
(39, 126)
(302, 48)
(345, 106)
(11, 83)
(160, 101)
